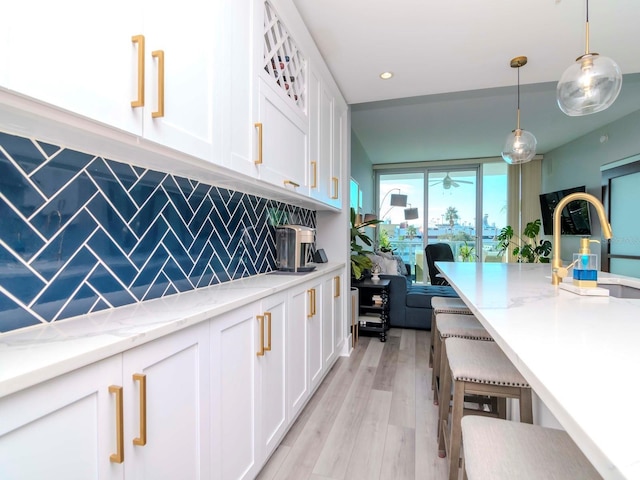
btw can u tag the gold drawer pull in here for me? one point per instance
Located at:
(268, 317)
(259, 127)
(118, 457)
(337, 292)
(159, 54)
(334, 180)
(142, 439)
(139, 102)
(261, 326)
(314, 164)
(291, 182)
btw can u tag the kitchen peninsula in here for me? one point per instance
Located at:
(579, 353)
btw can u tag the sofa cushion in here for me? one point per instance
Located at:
(420, 295)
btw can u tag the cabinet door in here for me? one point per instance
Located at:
(273, 413)
(297, 350)
(284, 142)
(339, 327)
(240, 105)
(340, 156)
(328, 325)
(59, 56)
(235, 344)
(188, 36)
(63, 428)
(314, 336)
(175, 370)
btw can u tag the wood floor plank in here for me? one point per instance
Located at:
(374, 352)
(390, 443)
(306, 449)
(403, 404)
(366, 457)
(398, 460)
(339, 379)
(388, 365)
(428, 464)
(335, 455)
(270, 470)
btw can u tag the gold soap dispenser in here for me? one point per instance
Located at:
(585, 265)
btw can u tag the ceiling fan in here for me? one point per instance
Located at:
(448, 182)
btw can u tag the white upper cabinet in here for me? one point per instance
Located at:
(59, 56)
(181, 109)
(142, 67)
(265, 100)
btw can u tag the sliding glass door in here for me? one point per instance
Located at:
(464, 206)
(401, 209)
(454, 217)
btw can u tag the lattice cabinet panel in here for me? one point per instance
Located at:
(283, 61)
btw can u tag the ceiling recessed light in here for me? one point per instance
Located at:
(386, 75)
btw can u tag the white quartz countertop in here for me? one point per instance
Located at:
(35, 354)
(581, 354)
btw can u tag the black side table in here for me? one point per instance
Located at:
(373, 311)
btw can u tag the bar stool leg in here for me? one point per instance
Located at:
(437, 366)
(456, 429)
(443, 407)
(431, 342)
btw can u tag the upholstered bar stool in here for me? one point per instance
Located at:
(444, 305)
(452, 325)
(475, 368)
(504, 450)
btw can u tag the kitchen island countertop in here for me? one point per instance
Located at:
(581, 354)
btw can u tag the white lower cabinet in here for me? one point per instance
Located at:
(167, 381)
(248, 361)
(212, 401)
(64, 428)
(91, 423)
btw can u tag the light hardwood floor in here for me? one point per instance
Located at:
(372, 418)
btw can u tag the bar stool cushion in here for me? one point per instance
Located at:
(461, 326)
(507, 450)
(468, 361)
(449, 305)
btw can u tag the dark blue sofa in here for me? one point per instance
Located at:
(410, 304)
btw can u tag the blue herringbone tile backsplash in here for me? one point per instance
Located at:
(81, 233)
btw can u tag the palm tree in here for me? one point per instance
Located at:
(451, 215)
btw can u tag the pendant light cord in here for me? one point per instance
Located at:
(587, 31)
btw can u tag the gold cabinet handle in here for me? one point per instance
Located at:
(118, 457)
(310, 292)
(259, 128)
(337, 292)
(139, 102)
(159, 54)
(291, 182)
(261, 322)
(267, 315)
(334, 180)
(314, 301)
(314, 164)
(142, 439)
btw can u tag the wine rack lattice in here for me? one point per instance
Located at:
(283, 61)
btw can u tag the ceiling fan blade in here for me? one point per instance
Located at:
(453, 182)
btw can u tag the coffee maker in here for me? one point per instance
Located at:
(292, 248)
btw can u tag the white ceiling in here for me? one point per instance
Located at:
(453, 94)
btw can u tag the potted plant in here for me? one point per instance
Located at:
(467, 252)
(529, 249)
(359, 259)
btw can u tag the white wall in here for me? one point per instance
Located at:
(578, 163)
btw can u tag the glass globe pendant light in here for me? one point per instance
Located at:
(590, 85)
(520, 145)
